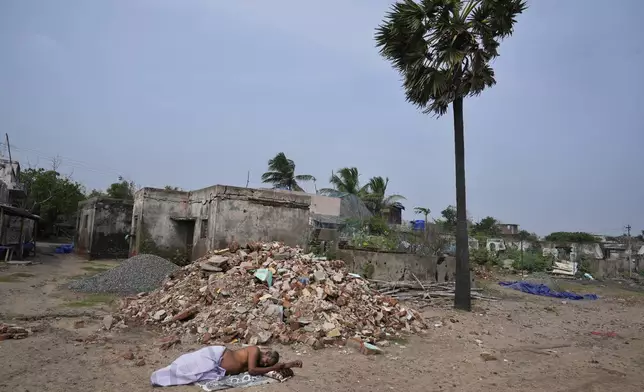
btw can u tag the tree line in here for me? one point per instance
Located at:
(281, 175)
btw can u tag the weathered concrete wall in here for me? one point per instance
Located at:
(397, 266)
(111, 223)
(604, 269)
(325, 205)
(157, 213)
(84, 224)
(244, 214)
(171, 222)
(11, 231)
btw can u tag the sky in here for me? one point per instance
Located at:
(193, 93)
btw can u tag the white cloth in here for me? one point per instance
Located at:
(200, 365)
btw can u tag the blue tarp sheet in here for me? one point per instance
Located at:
(542, 289)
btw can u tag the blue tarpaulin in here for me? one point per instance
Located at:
(542, 289)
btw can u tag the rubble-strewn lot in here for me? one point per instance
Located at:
(519, 342)
(272, 293)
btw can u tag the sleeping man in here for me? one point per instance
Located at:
(215, 362)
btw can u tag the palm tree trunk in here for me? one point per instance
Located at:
(462, 299)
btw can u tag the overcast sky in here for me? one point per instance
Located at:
(196, 93)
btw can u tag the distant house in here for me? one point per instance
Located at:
(508, 228)
(394, 214)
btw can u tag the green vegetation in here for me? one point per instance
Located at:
(281, 174)
(447, 222)
(346, 180)
(50, 195)
(375, 197)
(91, 301)
(532, 262)
(487, 226)
(373, 194)
(571, 237)
(482, 256)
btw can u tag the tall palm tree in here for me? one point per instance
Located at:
(424, 211)
(281, 173)
(443, 50)
(346, 180)
(375, 195)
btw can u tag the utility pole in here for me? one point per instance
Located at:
(628, 236)
(247, 178)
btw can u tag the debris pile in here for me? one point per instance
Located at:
(420, 291)
(139, 273)
(12, 331)
(270, 292)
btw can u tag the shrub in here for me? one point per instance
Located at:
(482, 256)
(532, 262)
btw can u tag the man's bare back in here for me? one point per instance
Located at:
(254, 361)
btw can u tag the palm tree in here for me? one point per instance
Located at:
(346, 180)
(424, 211)
(443, 50)
(281, 173)
(374, 195)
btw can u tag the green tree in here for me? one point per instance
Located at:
(571, 237)
(51, 196)
(95, 193)
(423, 211)
(443, 50)
(121, 190)
(375, 195)
(487, 226)
(523, 236)
(347, 180)
(281, 173)
(447, 222)
(171, 188)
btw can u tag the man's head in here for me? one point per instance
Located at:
(268, 358)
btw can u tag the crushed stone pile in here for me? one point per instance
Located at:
(137, 274)
(271, 293)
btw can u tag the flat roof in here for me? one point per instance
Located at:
(15, 211)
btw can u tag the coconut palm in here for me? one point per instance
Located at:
(375, 197)
(346, 180)
(443, 50)
(423, 211)
(281, 173)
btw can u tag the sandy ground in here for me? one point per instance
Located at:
(537, 343)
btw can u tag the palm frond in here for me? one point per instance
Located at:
(391, 199)
(346, 180)
(305, 177)
(443, 48)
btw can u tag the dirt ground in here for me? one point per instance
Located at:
(534, 343)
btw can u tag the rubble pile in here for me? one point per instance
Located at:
(12, 331)
(271, 292)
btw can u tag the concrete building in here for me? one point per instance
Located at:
(17, 225)
(103, 228)
(508, 228)
(184, 226)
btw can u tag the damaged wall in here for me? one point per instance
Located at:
(102, 226)
(158, 223)
(112, 221)
(244, 215)
(186, 225)
(396, 266)
(84, 223)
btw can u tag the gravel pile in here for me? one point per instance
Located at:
(137, 274)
